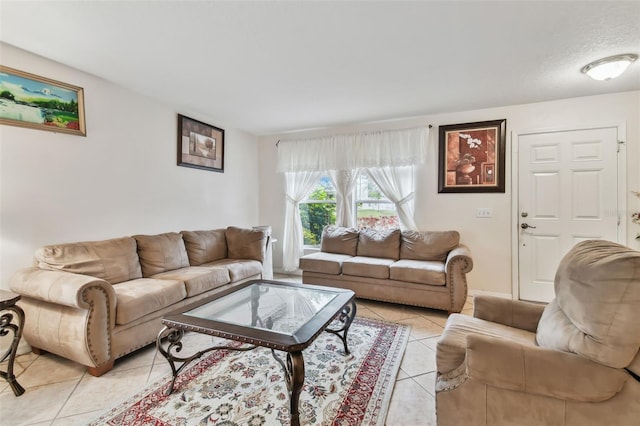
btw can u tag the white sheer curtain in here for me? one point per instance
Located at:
(397, 184)
(344, 182)
(389, 148)
(299, 185)
(304, 160)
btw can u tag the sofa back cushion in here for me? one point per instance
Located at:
(595, 312)
(428, 245)
(339, 240)
(385, 243)
(160, 253)
(244, 243)
(114, 260)
(205, 246)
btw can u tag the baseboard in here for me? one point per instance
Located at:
(490, 293)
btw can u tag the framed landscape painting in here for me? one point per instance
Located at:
(472, 157)
(28, 100)
(200, 145)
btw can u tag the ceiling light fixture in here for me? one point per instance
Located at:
(608, 68)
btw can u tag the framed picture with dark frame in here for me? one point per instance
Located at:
(472, 157)
(200, 145)
(28, 100)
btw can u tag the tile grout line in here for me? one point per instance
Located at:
(69, 397)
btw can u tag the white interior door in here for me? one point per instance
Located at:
(567, 193)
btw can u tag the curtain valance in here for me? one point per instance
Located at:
(388, 148)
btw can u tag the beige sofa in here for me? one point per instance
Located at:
(94, 302)
(410, 267)
(573, 362)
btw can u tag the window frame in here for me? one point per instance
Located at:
(356, 201)
(308, 201)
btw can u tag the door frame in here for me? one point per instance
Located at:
(515, 174)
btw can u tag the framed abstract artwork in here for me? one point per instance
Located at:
(472, 157)
(200, 145)
(28, 100)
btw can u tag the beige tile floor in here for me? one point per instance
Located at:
(60, 392)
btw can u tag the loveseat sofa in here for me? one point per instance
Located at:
(421, 268)
(94, 302)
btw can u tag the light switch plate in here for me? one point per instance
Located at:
(484, 212)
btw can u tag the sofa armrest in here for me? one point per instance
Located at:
(457, 264)
(244, 243)
(67, 314)
(514, 313)
(508, 365)
(58, 287)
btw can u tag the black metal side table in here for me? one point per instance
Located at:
(8, 303)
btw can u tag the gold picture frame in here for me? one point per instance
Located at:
(35, 102)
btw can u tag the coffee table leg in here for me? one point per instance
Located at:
(346, 317)
(294, 377)
(6, 325)
(296, 365)
(174, 336)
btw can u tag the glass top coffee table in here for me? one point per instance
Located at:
(281, 316)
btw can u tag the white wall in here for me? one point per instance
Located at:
(122, 179)
(489, 239)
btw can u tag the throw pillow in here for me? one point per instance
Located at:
(244, 243)
(339, 240)
(112, 260)
(428, 245)
(384, 243)
(160, 253)
(205, 246)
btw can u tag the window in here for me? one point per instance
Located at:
(318, 210)
(373, 208)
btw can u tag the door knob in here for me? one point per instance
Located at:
(526, 225)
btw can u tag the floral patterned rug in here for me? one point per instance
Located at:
(228, 388)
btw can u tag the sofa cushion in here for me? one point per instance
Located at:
(339, 240)
(160, 253)
(326, 263)
(137, 298)
(385, 244)
(246, 243)
(452, 345)
(205, 246)
(197, 279)
(114, 260)
(239, 269)
(418, 271)
(373, 267)
(595, 312)
(428, 245)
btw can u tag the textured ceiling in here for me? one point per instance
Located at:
(268, 66)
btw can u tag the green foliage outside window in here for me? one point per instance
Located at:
(373, 210)
(315, 216)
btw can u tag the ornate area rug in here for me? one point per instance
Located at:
(248, 388)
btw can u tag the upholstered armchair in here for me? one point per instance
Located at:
(573, 362)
